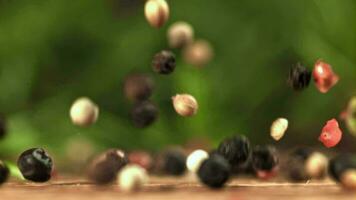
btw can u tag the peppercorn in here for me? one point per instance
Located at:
(340, 163)
(164, 62)
(316, 165)
(156, 12)
(132, 177)
(296, 164)
(84, 112)
(172, 162)
(195, 159)
(185, 105)
(305, 164)
(236, 150)
(4, 172)
(35, 165)
(265, 161)
(198, 53)
(331, 134)
(180, 34)
(350, 117)
(342, 169)
(103, 168)
(142, 159)
(138, 87)
(348, 179)
(299, 77)
(144, 114)
(2, 127)
(324, 76)
(214, 171)
(278, 128)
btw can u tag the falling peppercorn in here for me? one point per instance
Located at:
(4, 172)
(236, 150)
(331, 134)
(198, 53)
(299, 77)
(185, 105)
(350, 117)
(278, 128)
(104, 168)
(35, 165)
(324, 76)
(180, 34)
(138, 87)
(214, 171)
(164, 62)
(265, 161)
(84, 112)
(2, 127)
(144, 114)
(156, 12)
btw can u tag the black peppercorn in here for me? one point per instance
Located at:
(4, 172)
(104, 168)
(35, 165)
(144, 114)
(138, 87)
(342, 168)
(296, 164)
(339, 164)
(214, 171)
(264, 158)
(304, 164)
(2, 127)
(164, 62)
(236, 150)
(173, 162)
(299, 77)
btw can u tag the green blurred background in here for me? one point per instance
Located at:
(53, 51)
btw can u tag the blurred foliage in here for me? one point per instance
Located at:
(53, 51)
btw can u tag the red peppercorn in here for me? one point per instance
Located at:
(331, 134)
(324, 76)
(141, 158)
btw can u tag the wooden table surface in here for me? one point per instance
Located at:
(177, 189)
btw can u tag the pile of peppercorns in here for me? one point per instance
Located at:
(233, 157)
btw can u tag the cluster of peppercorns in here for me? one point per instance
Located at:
(323, 75)
(233, 156)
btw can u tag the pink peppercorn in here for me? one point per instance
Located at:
(324, 76)
(331, 134)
